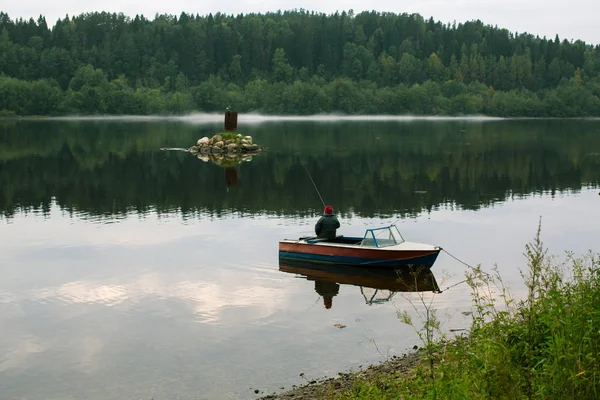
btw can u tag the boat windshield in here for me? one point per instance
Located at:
(382, 237)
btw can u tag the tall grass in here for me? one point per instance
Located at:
(544, 346)
(431, 325)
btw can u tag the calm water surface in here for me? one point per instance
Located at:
(131, 272)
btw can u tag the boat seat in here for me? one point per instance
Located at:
(317, 240)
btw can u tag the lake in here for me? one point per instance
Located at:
(133, 272)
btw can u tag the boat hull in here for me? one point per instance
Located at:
(357, 256)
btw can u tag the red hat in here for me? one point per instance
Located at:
(328, 210)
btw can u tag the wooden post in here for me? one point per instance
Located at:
(230, 121)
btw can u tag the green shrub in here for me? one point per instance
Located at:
(545, 346)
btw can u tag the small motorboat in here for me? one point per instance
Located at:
(379, 247)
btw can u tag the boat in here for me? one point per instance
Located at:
(379, 247)
(377, 285)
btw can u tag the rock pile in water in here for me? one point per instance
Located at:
(225, 149)
(225, 143)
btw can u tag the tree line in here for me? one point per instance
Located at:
(293, 62)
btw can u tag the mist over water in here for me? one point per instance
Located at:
(251, 118)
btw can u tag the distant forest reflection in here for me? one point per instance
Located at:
(368, 168)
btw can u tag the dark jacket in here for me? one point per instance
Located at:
(326, 226)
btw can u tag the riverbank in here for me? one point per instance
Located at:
(546, 345)
(394, 368)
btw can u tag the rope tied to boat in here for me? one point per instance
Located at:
(462, 262)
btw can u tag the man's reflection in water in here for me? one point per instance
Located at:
(327, 290)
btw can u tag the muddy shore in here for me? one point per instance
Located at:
(316, 389)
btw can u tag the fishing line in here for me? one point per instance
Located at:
(313, 182)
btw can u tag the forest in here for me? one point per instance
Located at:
(293, 62)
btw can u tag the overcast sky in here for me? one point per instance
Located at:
(568, 19)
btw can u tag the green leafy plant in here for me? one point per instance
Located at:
(544, 346)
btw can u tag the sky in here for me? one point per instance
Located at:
(570, 20)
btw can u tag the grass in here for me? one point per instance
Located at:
(545, 346)
(229, 136)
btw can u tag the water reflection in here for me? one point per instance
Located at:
(367, 168)
(231, 176)
(377, 285)
(229, 162)
(165, 306)
(225, 160)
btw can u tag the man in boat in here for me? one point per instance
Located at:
(326, 225)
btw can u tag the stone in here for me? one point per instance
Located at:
(193, 149)
(244, 141)
(203, 142)
(203, 157)
(228, 141)
(219, 144)
(216, 150)
(248, 138)
(231, 148)
(217, 138)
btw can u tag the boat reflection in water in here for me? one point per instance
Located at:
(377, 285)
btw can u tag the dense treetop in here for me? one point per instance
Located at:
(290, 62)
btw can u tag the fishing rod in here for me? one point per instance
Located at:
(313, 182)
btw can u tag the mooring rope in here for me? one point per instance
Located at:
(462, 262)
(456, 258)
(451, 286)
